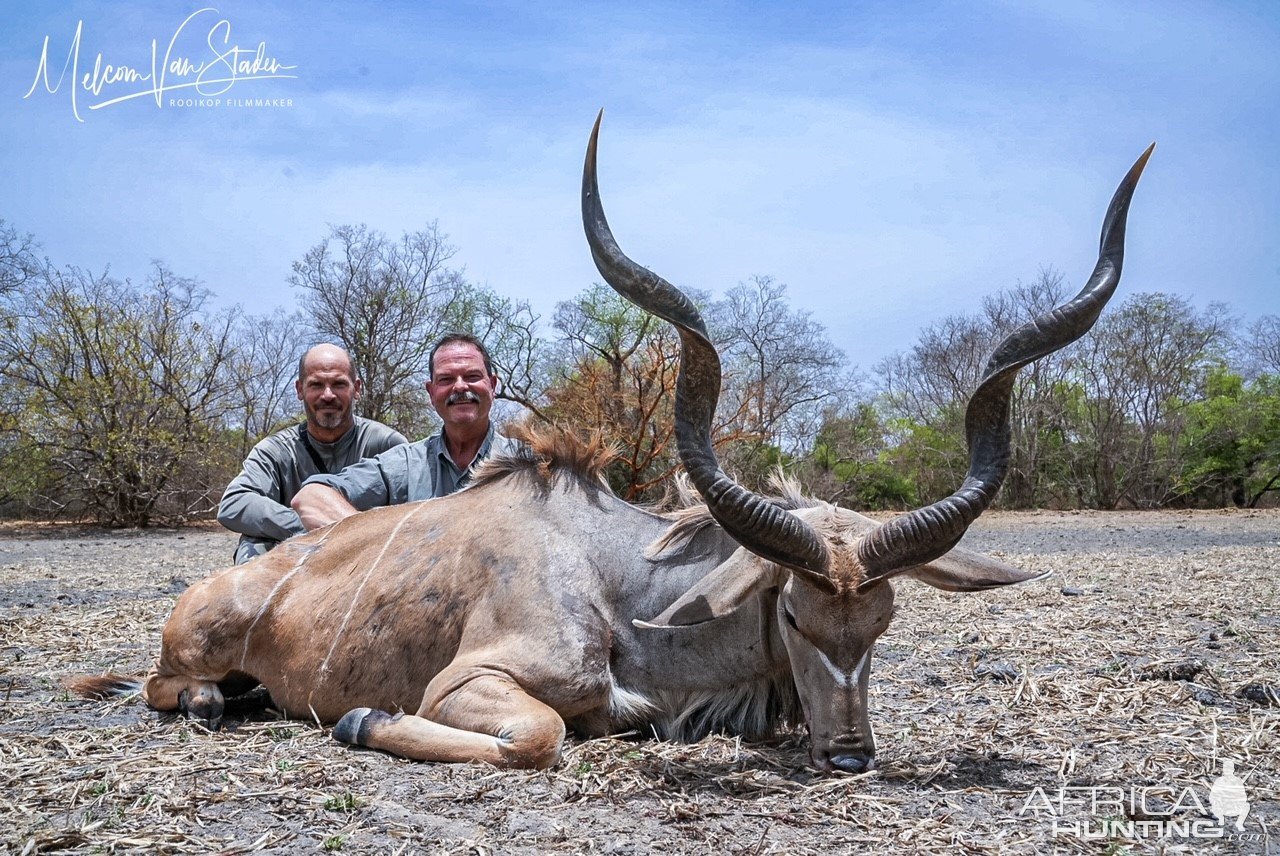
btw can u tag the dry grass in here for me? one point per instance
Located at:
(977, 700)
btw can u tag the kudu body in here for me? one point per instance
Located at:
(536, 598)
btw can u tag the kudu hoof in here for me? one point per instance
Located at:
(355, 725)
(205, 706)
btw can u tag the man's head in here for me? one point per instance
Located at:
(462, 383)
(328, 387)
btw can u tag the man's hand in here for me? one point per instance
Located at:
(319, 505)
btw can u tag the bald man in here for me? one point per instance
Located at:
(256, 503)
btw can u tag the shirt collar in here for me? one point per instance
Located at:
(442, 448)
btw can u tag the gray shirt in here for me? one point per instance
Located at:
(408, 473)
(256, 503)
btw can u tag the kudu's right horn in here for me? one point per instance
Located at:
(923, 535)
(754, 521)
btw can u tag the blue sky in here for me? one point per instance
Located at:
(891, 162)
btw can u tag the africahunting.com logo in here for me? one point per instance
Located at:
(1148, 812)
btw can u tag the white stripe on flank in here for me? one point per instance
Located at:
(324, 666)
(266, 603)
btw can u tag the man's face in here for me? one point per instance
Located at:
(327, 393)
(461, 390)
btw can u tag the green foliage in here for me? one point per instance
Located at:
(932, 457)
(851, 462)
(345, 802)
(1142, 363)
(1232, 440)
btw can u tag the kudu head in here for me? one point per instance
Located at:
(831, 567)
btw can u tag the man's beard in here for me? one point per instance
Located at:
(327, 419)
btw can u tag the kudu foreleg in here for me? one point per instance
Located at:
(489, 718)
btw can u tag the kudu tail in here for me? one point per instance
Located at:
(100, 687)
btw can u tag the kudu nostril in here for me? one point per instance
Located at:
(847, 753)
(858, 762)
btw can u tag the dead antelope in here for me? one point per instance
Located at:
(477, 627)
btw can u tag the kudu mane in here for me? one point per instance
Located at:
(552, 452)
(549, 452)
(753, 710)
(692, 515)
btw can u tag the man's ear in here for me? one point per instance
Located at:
(297, 387)
(357, 388)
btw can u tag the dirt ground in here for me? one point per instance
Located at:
(1089, 712)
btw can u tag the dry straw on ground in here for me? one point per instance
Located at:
(1149, 656)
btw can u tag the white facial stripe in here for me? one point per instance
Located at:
(863, 666)
(842, 678)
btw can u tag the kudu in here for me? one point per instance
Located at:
(527, 602)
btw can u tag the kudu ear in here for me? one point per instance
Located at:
(965, 570)
(717, 594)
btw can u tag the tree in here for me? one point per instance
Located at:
(850, 464)
(121, 387)
(18, 265)
(1231, 443)
(779, 371)
(261, 368)
(18, 261)
(778, 363)
(618, 376)
(1138, 367)
(1262, 348)
(387, 302)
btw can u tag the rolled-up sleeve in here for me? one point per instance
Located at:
(248, 506)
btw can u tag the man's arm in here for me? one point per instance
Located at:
(319, 505)
(368, 483)
(247, 506)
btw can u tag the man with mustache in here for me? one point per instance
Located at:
(462, 387)
(256, 503)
